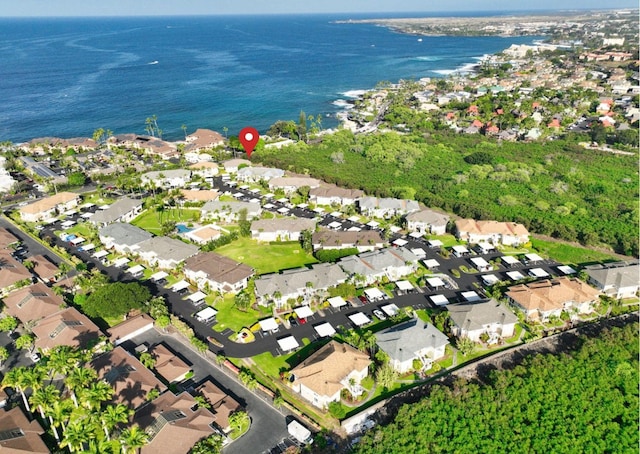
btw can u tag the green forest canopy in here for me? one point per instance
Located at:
(585, 401)
(116, 299)
(554, 188)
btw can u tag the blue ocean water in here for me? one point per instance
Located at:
(67, 77)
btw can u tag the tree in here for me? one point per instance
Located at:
(168, 227)
(133, 438)
(75, 435)
(184, 130)
(238, 420)
(386, 376)
(76, 179)
(58, 413)
(151, 126)
(242, 300)
(20, 378)
(302, 127)
(147, 360)
(8, 323)
(44, 398)
(78, 379)
(4, 355)
(116, 299)
(64, 270)
(243, 223)
(210, 445)
(465, 345)
(63, 359)
(98, 392)
(25, 342)
(306, 240)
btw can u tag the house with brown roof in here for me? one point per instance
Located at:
(217, 272)
(507, 233)
(168, 365)
(12, 272)
(323, 375)
(130, 328)
(130, 379)
(364, 240)
(33, 303)
(204, 234)
(48, 207)
(203, 139)
(66, 327)
(222, 405)
(7, 239)
(281, 229)
(330, 194)
(548, 298)
(44, 269)
(174, 423)
(19, 435)
(191, 195)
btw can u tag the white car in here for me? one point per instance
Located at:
(378, 313)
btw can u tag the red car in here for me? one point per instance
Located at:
(363, 299)
(302, 321)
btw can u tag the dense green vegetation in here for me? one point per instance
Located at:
(554, 187)
(585, 401)
(116, 299)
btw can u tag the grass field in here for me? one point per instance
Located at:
(230, 317)
(267, 257)
(570, 254)
(150, 220)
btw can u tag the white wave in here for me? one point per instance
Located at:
(342, 104)
(444, 72)
(353, 93)
(427, 58)
(154, 62)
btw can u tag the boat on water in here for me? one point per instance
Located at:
(154, 62)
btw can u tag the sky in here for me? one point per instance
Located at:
(34, 8)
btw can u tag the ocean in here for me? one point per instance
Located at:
(66, 77)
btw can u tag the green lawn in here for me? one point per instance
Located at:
(150, 219)
(230, 317)
(267, 257)
(569, 254)
(448, 240)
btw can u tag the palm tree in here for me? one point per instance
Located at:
(238, 420)
(77, 379)
(75, 435)
(63, 359)
(99, 445)
(4, 354)
(133, 438)
(114, 415)
(15, 378)
(58, 413)
(44, 397)
(64, 269)
(147, 360)
(97, 393)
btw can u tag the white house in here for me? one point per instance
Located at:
(618, 280)
(216, 272)
(292, 184)
(471, 320)
(427, 221)
(165, 252)
(281, 229)
(494, 232)
(364, 240)
(123, 210)
(255, 174)
(49, 207)
(386, 207)
(122, 237)
(230, 211)
(331, 194)
(393, 263)
(177, 178)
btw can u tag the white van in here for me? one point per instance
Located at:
(300, 432)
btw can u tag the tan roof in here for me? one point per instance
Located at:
(203, 138)
(491, 227)
(33, 302)
(11, 270)
(48, 203)
(338, 238)
(128, 326)
(296, 182)
(174, 423)
(130, 379)
(6, 238)
(335, 191)
(222, 405)
(43, 267)
(234, 163)
(549, 295)
(203, 165)
(218, 268)
(168, 365)
(67, 327)
(22, 436)
(283, 224)
(199, 196)
(323, 371)
(206, 233)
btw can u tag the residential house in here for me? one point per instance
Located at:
(174, 423)
(472, 320)
(232, 165)
(157, 147)
(130, 379)
(130, 328)
(548, 298)
(198, 195)
(331, 194)
(203, 235)
(618, 279)
(33, 303)
(322, 376)
(230, 211)
(12, 272)
(44, 269)
(123, 210)
(281, 229)
(205, 169)
(364, 240)
(49, 207)
(411, 340)
(222, 405)
(42, 170)
(124, 238)
(217, 272)
(165, 252)
(19, 434)
(301, 282)
(7, 239)
(427, 221)
(203, 139)
(255, 174)
(177, 178)
(291, 184)
(66, 327)
(168, 365)
(387, 207)
(494, 232)
(369, 267)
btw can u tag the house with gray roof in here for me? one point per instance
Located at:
(281, 229)
(255, 174)
(292, 184)
(176, 178)
(386, 207)
(618, 279)
(369, 267)
(230, 211)
(363, 240)
(474, 319)
(427, 221)
(329, 194)
(165, 252)
(301, 282)
(123, 210)
(411, 340)
(122, 237)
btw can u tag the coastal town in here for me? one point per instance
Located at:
(193, 300)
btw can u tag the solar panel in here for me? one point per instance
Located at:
(11, 434)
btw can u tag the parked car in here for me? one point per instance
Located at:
(378, 313)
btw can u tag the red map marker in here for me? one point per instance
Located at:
(249, 139)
